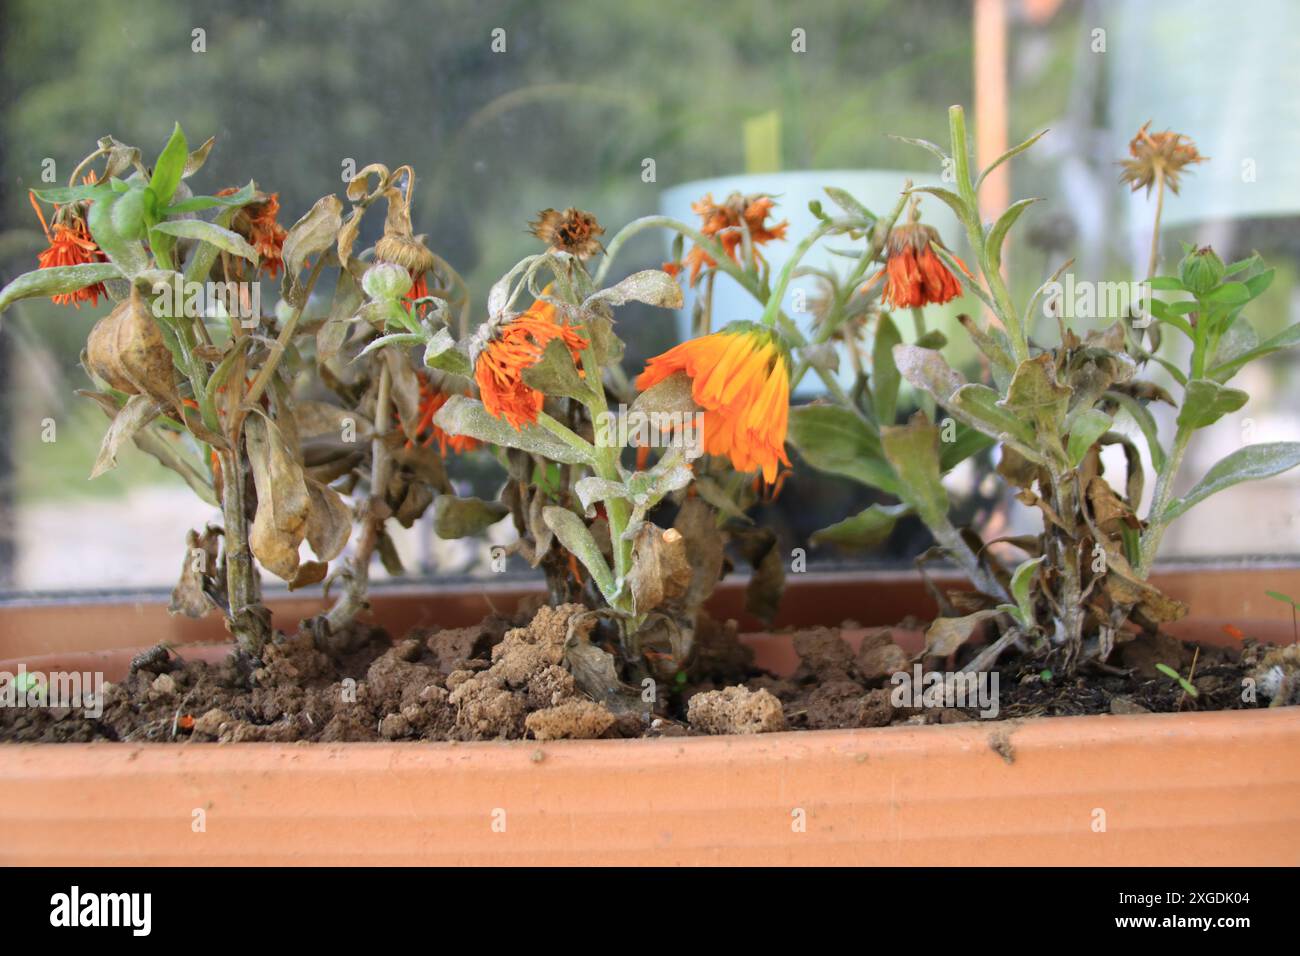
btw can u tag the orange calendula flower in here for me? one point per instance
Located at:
(257, 222)
(727, 222)
(512, 347)
(432, 398)
(70, 245)
(741, 378)
(914, 274)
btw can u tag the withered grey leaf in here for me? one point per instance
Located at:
(698, 523)
(651, 286)
(309, 573)
(672, 396)
(312, 234)
(190, 596)
(947, 634)
(138, 412)
(405, 389)
(465, 517)
(283, 503)
(329, 523)
(661, 570)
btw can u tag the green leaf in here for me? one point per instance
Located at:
(128, 213)
(1034, 391)
(442, 351)
(1009, 154)
(1166, 284)
(1182, 682)
(1089, 425)
(979, 406)
(66, 194)
(913, 451)
(576, 538)
(924, 144)
(196, 203)
(1145, 421)
(1020, 584)
(1246, 464)
(884, 391)
(951, 199)
(1205, 402)
(867, 529)
(211, 233)
(847, 203)
(998, 234)
(128, 254)
(554, 374)
(465, 517)
(467, 416)
(56, 280)
(170, 167)
(1284, 598)
(835, 440)
(968, 441)
(1285, 339)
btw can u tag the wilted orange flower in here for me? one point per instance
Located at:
(741, 378)
(1234, 632)
(914, 273)
(727, 222)
(1167, 153)
(572, 231)
(70, 245)
(432, 398)
(511, 348)
(257, 223)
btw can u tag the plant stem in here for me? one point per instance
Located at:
(1163, 494)
(247, 620)
(353, 600)
(1155, 226)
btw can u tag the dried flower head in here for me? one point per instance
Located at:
(572, 231)
(511, 348)
(1153, 154)
(727, 222)
(258, 223)
(70, 244)
(741, 378)
(407, 251)
(914, 274)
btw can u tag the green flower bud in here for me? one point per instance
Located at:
(1201, 270)
(386, 281)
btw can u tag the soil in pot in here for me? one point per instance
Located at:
(505, 679)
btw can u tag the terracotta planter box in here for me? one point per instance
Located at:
(1169, 789)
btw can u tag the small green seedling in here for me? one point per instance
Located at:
(1184, 682)
(1279, 596)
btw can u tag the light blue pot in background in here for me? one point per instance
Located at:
(877, 189)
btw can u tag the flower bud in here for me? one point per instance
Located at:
(1201, 270)
(386, 281)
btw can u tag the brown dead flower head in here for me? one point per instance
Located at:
(572, 231)
(1151, 155)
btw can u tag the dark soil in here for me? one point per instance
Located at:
(506, 678)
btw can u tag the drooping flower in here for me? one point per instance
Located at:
(727, 222)
(432, 397)
(914, 274)
(257, 222)
(70, 245)
(512, 347)
(572, 231)
(740, 377)
(1166, 153)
